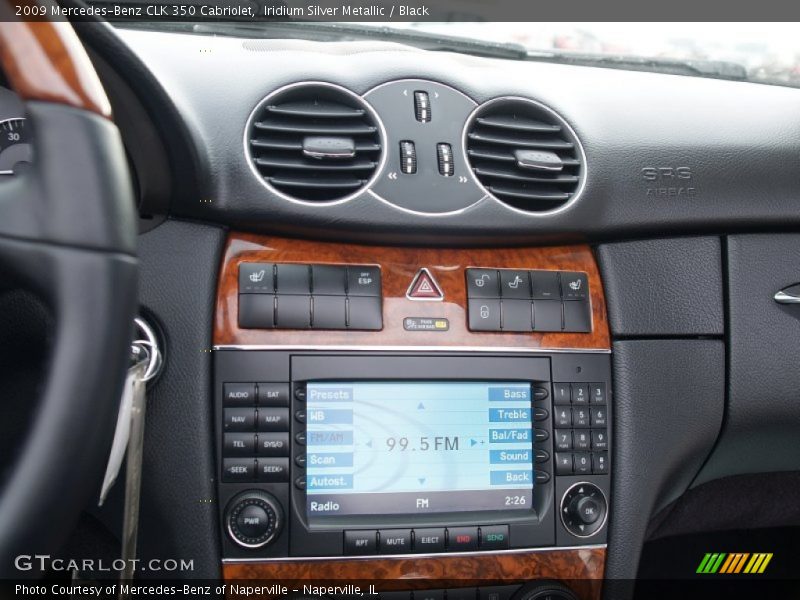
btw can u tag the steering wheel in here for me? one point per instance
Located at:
(68, 234)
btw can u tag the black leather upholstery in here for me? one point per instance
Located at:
(667, 287)
(668, 403)
(178, 510)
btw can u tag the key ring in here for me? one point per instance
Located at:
(146, 347)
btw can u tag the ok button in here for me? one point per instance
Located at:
(484, 315)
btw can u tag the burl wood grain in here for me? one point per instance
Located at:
(46, 61)
(581, 569)
(399, 266)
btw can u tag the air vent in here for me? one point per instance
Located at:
(524, 154)
(314, 142)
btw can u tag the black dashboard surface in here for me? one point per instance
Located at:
(734, 144)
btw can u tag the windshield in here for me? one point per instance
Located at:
(767, 52)
(757, 52)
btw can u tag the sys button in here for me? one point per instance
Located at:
(360, 542)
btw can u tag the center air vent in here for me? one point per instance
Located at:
(524, 154)
(314, 142)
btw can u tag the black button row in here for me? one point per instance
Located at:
(255, 394)
(265, 470)
(428, 540)
(303, 280)
(255, 444)
(266, 311)
(535, 285)
(581, 463)
(487, 314)
(255, 419)
(581, 439)
(577, 417)
(491, 592)
(579, 393)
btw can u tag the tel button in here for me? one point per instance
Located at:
(360, 542)
(463, 538)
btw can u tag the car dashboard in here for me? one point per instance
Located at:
(465, 326)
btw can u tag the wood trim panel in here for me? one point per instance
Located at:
(45, 61)
(581, 569)
(399, 266)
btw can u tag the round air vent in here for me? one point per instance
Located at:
(524, 154)
(314, 142)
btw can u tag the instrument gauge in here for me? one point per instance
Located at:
(15, 145)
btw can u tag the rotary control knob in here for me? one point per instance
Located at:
(584, 509)
(253, 519)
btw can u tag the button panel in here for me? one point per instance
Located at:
(255, 438)
(519, 301)
(301, 296)
(580, 419)
(426, 540)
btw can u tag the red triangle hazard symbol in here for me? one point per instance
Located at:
(424, 287)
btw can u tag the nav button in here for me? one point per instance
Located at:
(360, 542)
(429, 540)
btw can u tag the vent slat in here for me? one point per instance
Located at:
(316, 182)
(332, 165)
(315, 170)
(316, 110)
(528, 194)
(524, 155)
(516, 124)
(512, 176)
(519, 142)
(316, 128)
(271, 144)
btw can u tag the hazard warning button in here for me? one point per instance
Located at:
(424, 287)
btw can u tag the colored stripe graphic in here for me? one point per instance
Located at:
(728, 562)
(703, 563)
(767, 558)
(734, 563)
(740, 564)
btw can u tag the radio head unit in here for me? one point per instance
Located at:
(402, 453)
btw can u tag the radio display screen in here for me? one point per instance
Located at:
(415, 447)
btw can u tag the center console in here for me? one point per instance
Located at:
(427, 405)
